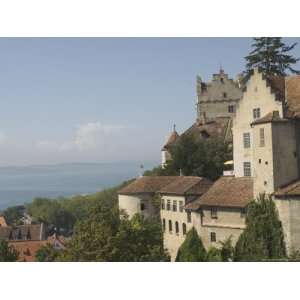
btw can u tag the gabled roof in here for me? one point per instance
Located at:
(217, 127)
(23, 232)
(272, 117)
(187, 185)
(292, 189)
(147, 184)
(226, 192)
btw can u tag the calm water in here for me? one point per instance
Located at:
(19, 185)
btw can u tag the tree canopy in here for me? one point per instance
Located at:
(192, 249)
(263, 237)
(7, 253)
(272, 56)
(196, 157)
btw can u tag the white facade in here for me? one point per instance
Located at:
(258, 96)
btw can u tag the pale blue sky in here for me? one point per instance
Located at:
(103, 99)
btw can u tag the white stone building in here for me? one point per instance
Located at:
(266, 156)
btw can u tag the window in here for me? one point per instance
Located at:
(224, 95)
(214, 213)
(181, 206)
(164, 225)
(265, 183)
(222, 80)
(174, 205)
(259, 161)
(168, 204)
(261, 137)
(189, 217)
(170, 226)
(231, 108)
(256, 113)
(177, 227)
(184, 228)
(213, 237)
(246, 139)
(143, 206)
(162, 204)
(247, 169)
(243, 213)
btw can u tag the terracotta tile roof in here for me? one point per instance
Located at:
(277, 84)
(292, 189)
(272, 117)
(187, 185)
(293, 96)
(147, 184)
(287, 90)
(23, 232)
(2, 222)
(226, 192)
(217, 127)
(28, 249)
(173, 138)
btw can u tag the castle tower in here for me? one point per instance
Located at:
(165, 151)
(217, 98)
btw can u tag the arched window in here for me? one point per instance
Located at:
(184, 228)
(164, 224)
(177, 227)
(170, 226)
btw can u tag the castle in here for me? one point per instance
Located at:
(264, 119)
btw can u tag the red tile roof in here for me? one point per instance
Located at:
(272, 117)
(226, 192)
(147, 184)
(292, 189)
(187, 185)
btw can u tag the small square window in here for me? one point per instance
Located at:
(168, 204)
(247, 169)
(256, 113)
(143, 206)
(265, 182)
(231, 108)
(261, 137)
(189, 217)
(259, 161)
(246, 140)
(174, 205)
(224, 95)
(181, 206)
(266, 163)
(213, 237)
(214, 213)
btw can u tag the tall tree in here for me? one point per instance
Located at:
(7, 253)
(272, 56)
(263, 237)
(192, 249)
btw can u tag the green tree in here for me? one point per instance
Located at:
(272, 56)
(139, 240)
(227, 250)
(46, 254)
(14, 214)
(7, 253)
(214, 255)
(192, 249)
(263, 237)
(196, 157)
